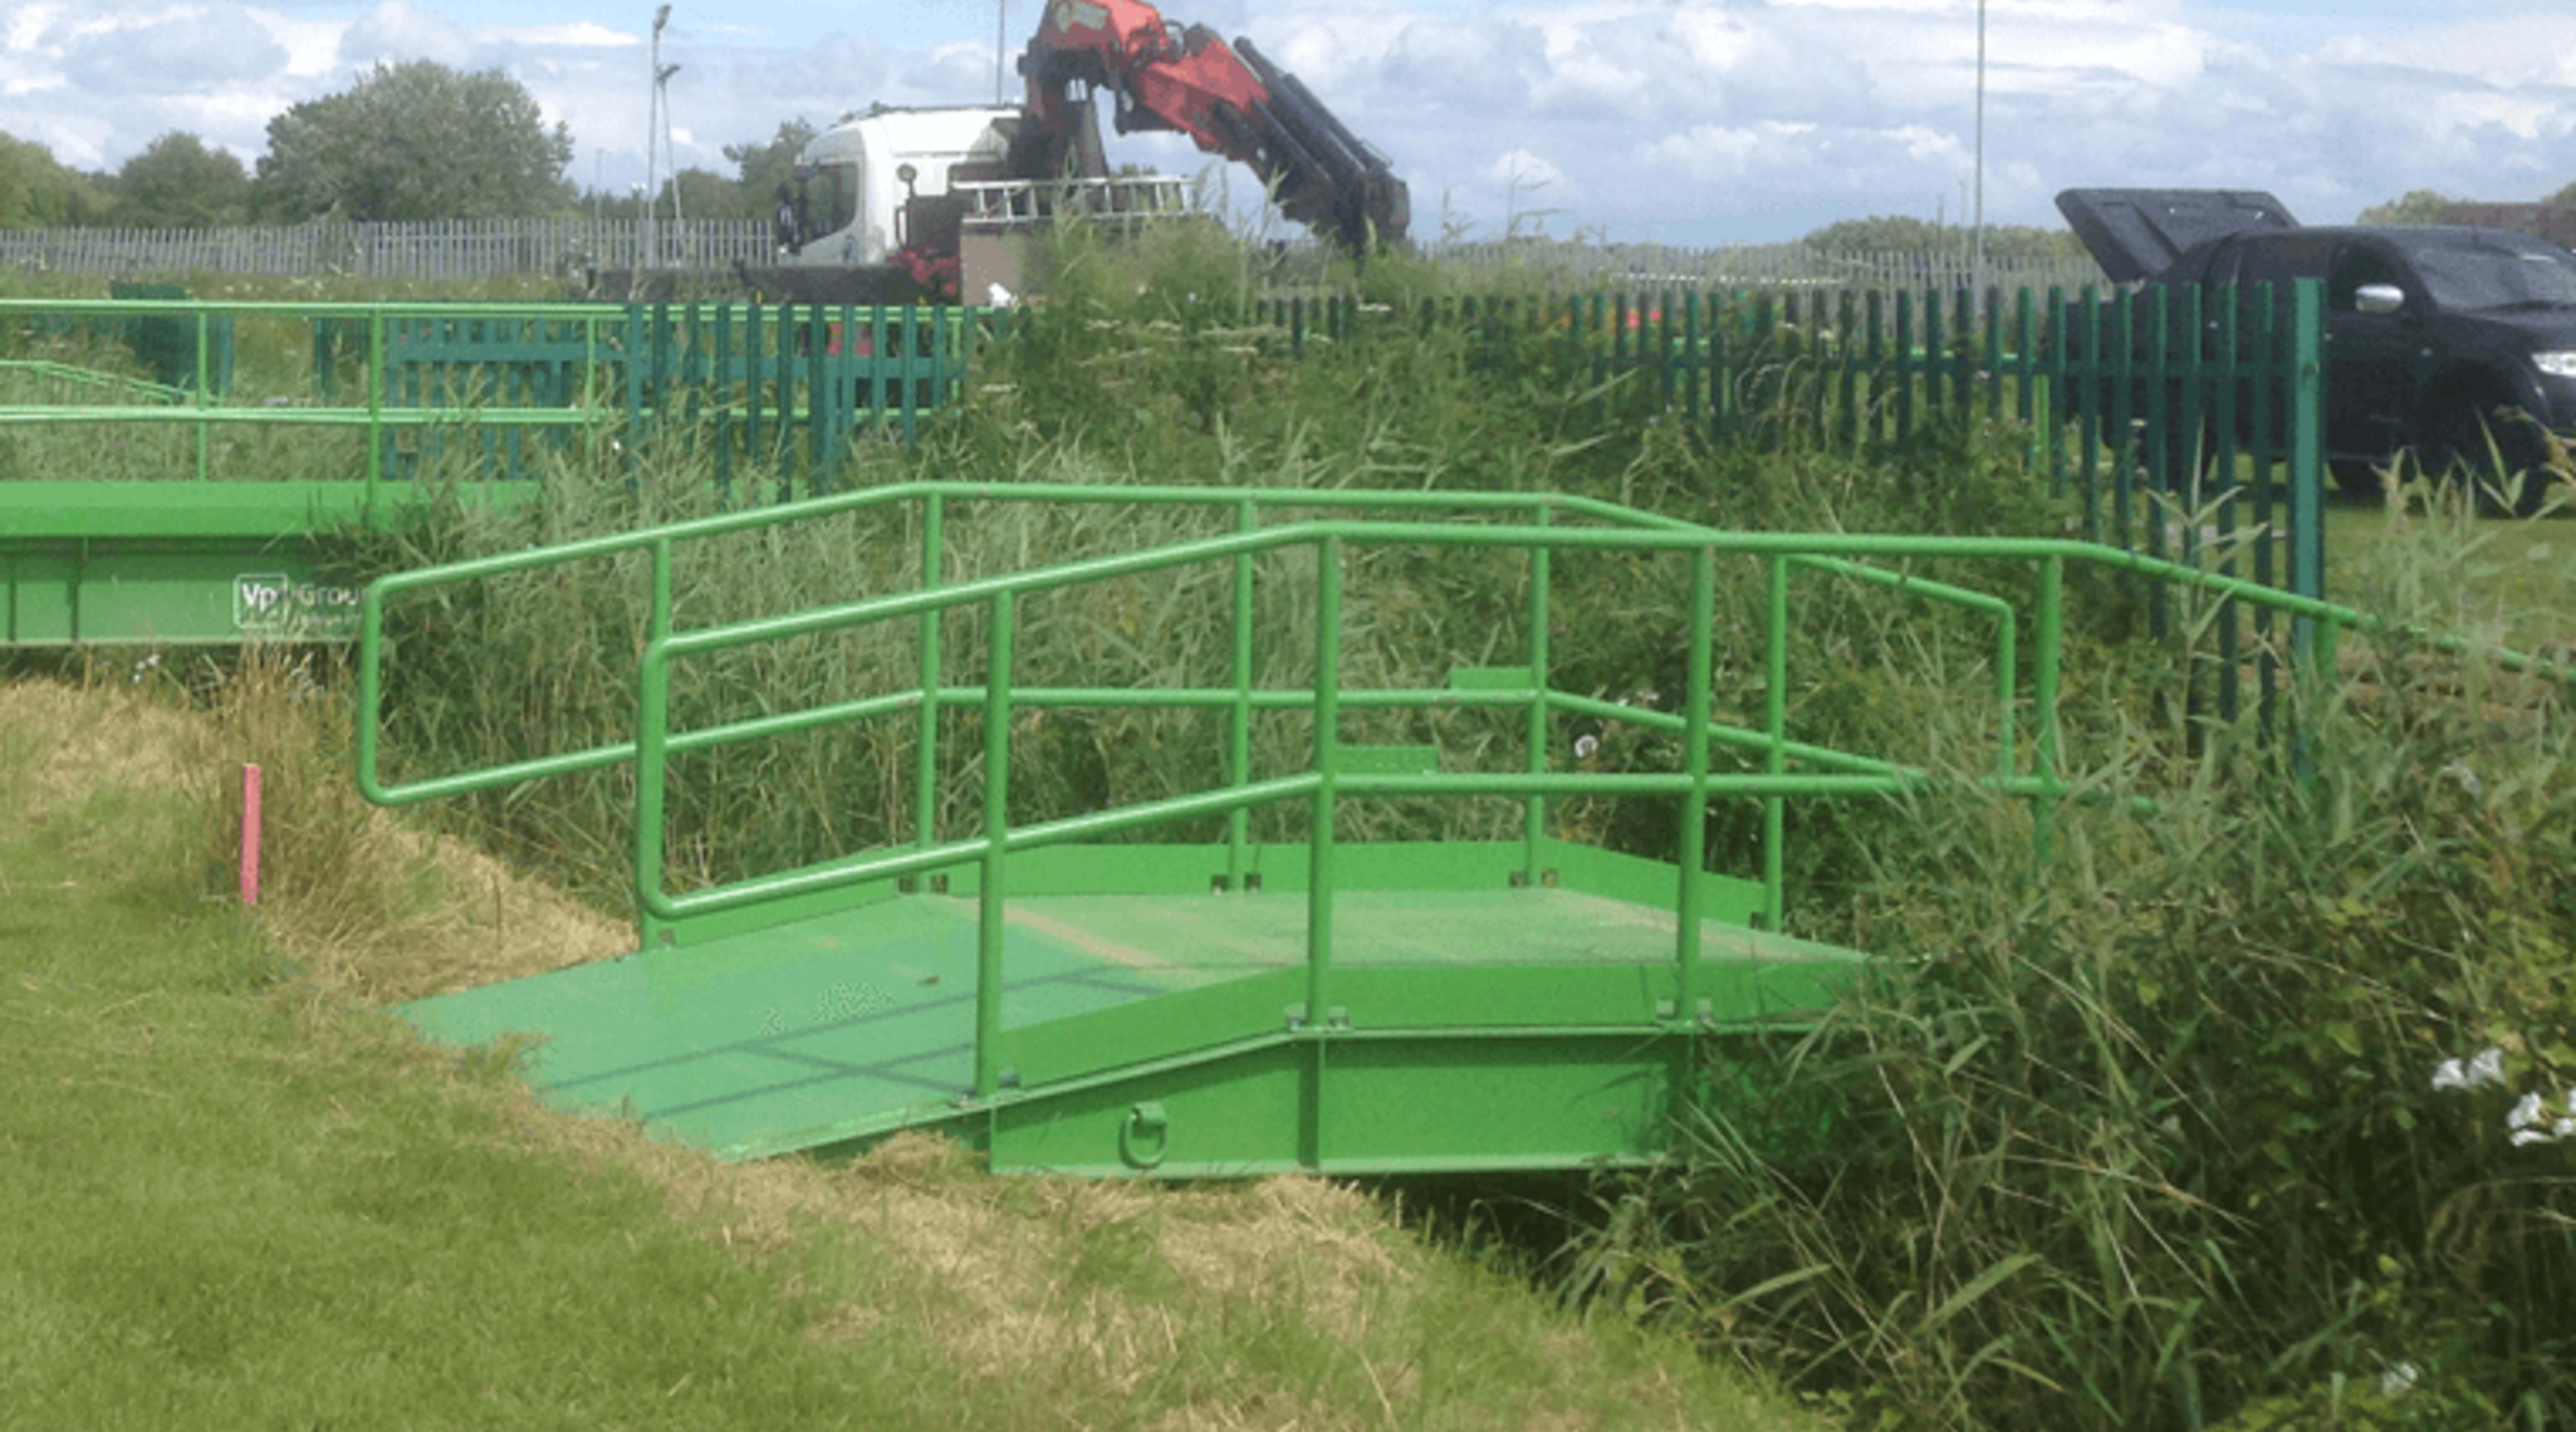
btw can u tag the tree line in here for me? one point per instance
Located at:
(410, 142)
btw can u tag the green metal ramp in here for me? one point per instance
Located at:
(1472, 1028)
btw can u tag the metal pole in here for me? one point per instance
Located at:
(989, 923)
(1979, 267)
(925, 788)
(652, 156)
(1534, 814)
(1692, 837)
(1328, 713)
(1238, 743)
(1775, 722)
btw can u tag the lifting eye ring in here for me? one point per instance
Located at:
(1145, 1135)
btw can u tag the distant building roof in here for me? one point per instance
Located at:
(2554, 222)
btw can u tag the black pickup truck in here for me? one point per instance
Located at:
(2443, 345)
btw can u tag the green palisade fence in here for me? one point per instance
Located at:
(2187, 427)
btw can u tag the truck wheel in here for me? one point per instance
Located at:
(2357, 479)
(2495, 451)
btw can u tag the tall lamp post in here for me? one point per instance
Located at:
(1977, 302)
(652, 254)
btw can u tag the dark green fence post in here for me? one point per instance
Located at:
(2222, 422)
(782, 366)
(2268, 423)
(819, 426)
(723, 398)
(1905, 366)
(2307, 464)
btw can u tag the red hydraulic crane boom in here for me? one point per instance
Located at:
(1230, 100)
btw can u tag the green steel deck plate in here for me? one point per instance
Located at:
(727, 1044)
(833, 1030)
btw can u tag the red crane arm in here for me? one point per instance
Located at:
(1239, 106)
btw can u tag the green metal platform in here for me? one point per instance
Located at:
(1492, 1026)
(1103, 987)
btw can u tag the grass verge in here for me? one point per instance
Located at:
(242, 1198)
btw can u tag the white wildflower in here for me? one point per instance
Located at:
(1585, 745)
(2486, 1067)
(2529, 1116)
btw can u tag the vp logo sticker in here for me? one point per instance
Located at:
(261, 599)
(275, 602)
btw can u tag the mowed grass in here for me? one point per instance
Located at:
(239, 1197)
(2497, 579)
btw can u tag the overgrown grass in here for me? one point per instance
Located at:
(243, 1199)
(2151, 1135)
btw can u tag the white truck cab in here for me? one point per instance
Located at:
(855, 183)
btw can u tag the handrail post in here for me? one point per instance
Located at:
(1238, 822)
(925, 775)
(652, 737)
(2043, 812)
(2007, 680)
(371, 655)
(1775, 725)
(375, 406)
(1534, 813)
(652, 742)
(1328, 712)
(1692, 856)
(989, 924)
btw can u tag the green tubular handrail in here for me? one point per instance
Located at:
(1538, 525)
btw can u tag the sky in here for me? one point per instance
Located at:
(1696, 122)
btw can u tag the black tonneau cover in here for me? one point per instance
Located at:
(2137, 233)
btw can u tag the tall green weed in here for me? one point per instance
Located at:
(2246, 1112)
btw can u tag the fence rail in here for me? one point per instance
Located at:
(475, 249)
(503, 248)
(1767, 265)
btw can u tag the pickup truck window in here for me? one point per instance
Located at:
(2281, 257)
(2466, 278)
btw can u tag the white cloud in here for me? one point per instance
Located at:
(1697, 120)
(580, 35)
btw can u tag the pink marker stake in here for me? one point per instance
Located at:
(250, 835)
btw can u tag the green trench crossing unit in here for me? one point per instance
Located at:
(1476, 1023)
(1255, 969)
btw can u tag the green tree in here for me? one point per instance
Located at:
(415, 141)
(763, 167)
(705, 194)
(38, 192)
(2418, 206)
(179, 183)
